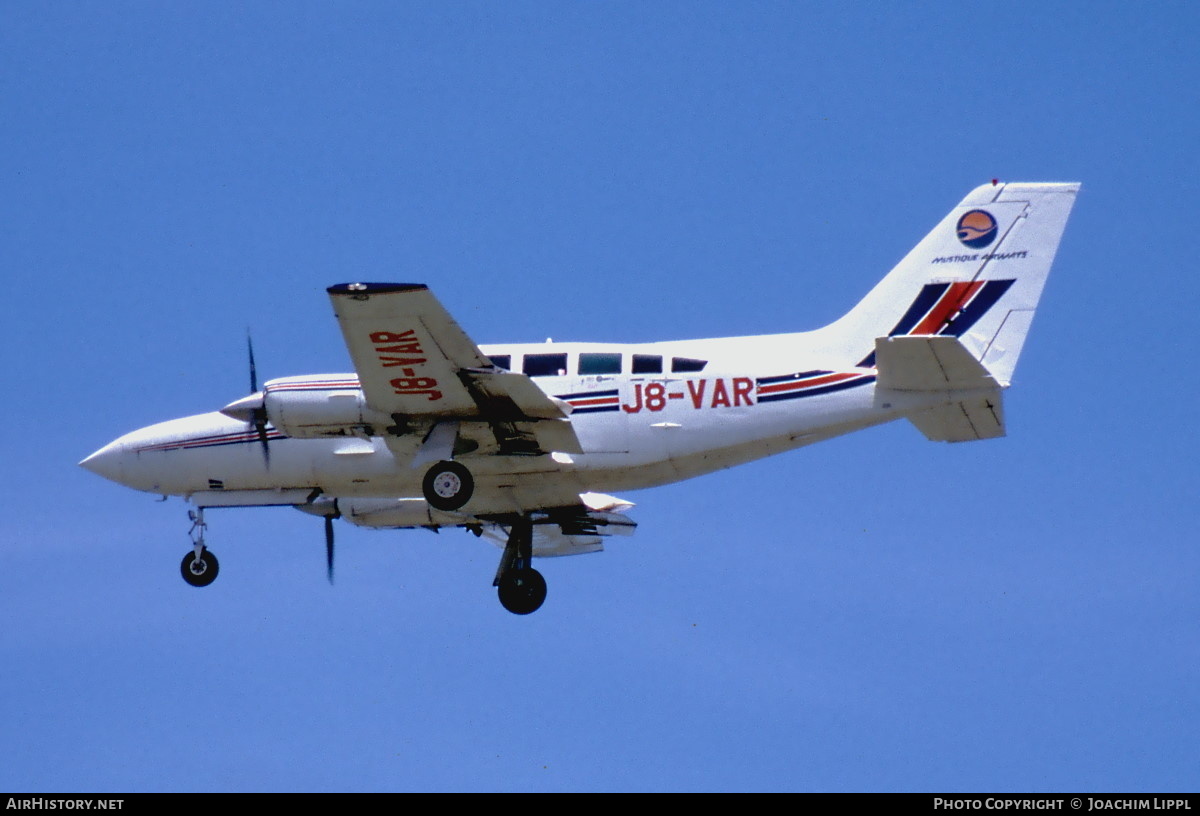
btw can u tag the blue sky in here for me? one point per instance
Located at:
(874, 613)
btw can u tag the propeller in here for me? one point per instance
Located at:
(329, 517)
(329, 548)
(253, 367)
(252, 409)
(327, 508)
(258, 414)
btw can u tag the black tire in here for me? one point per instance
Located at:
(522, 591)
(202, 571)
(448, 486)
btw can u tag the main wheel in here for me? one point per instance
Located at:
(522, 591)
(448, 486)
(200, 571)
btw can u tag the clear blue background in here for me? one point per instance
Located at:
(877, 612)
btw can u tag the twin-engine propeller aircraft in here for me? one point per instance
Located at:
(523, 443)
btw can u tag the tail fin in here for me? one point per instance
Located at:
(977, 276)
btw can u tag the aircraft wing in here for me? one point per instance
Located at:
(414, 362)
(576, 529)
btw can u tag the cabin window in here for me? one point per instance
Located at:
(502, 361)
(681, 364)
(647, 364)
(599, 363)
(545, 365)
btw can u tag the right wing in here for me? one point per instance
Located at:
(415, 363)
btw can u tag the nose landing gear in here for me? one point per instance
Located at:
(199, 567)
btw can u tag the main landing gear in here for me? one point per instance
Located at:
(199, 567)
(521, 588)
(448, 486)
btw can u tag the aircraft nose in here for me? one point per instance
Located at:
(107, 462)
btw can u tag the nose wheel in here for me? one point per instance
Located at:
(199, 567)
(521, 588)
(199, 570)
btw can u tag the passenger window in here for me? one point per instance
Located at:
(647, 364)
(687, 364)
(545, 365)
(599, 363)
(502, 361)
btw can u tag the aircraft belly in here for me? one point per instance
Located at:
(358, 467)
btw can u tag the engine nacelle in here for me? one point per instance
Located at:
(307, 407)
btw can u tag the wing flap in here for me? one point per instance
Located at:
(576, 529)
(556, 435)
(511, 396)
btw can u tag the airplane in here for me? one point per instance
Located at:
(525, 443)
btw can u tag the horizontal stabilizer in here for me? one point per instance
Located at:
(977, 418)
(928, 363)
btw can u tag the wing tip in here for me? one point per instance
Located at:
(374, 288)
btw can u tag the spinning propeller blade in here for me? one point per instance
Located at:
(329, 548)
(259, 417)
(253, 368)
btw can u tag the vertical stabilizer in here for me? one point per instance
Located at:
(977, 276)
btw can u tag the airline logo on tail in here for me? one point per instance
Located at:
(977, 229)
(947, 309)
(950, 308)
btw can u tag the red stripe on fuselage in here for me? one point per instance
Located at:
(798, 384)
(314, 386)
(204, 441)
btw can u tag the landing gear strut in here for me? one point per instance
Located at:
(521, 588)
(199, 567)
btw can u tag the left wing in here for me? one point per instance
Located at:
(574, 530)
(415, 362)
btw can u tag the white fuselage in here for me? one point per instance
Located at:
(638, 427)
(525, 443)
